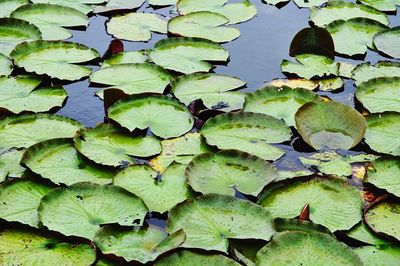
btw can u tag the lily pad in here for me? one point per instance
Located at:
(136, 26)
(22, 93)
(382, 5)
(331, 84)
(363, 234)
(8, 6)
(9, 164)
(107, 145)
(203, 24)
(133, 78)
(299, 3)
(281, 103)
(84, 6)
(248, 132)
(210, 220)
(293, 83)
(366, 71)
(330, 125)
(387, 42)
(187, 55)
(80, 210)
(144, 182)
(141, 245)
(59, 161)
(166, 117)
(30, 247)
(385, 174)
(56, 59)
(190, 257)
(333, 203)
(6, 66)
(50, 19)
(115, 5)
(296, 225)
(25, 130)
(213, 89)
(20, 199)
(383, 218)
(382, 133)
(129, 57)
(228, 171)
(375, 256)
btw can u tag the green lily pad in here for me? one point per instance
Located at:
(141, 245)
(296, 225)
(387, 42)
(375, 256)
(133, 78)
(80, 210)
(50, 19)
(281, 103)
(210, 220)
(107, 145)
(385, 175)
(310, 66)
(30, 247)
(190, 257)
(330, 125)
(383, 218)
(346, 69)
(382, 5)
(59, 161)
(22, 93)
(143, 181)
(299, 3)
(6, 66)
(8, 6)
(136, 26)
(341, 10)
(84, 6)
(362, 233)
(306, 248)
(129, 57)
(228, 171)
(248, 132)
(15, 31)
(9, 164)
(213, 89)
(25, 130)
(20, 199)
(366, 71)
(331, 84)
(166, 117)
(333, 203)
(203, 24)
(54, 58)
(187, 55)
(382, 133)
(115, 5)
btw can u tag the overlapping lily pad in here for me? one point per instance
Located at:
(382, 69)
(129, 57)
(84, 6)
(375, 256)
(383, 218)
(382, 5)
(311, 66)
(387, 42)
(190, 257)
(363, 234)
(9, 164)
(8, 6)
(385, 175)
(115, 5)
(6, 66)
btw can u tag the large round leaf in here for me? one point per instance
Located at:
(108, 145)
(84, 6)
(166, 117)
(330, 125)
(385, 174)
(141, 245)
(144, 182)
(383, 218)
(229, 171)
(382, 69)
(9, 164)
(388, 42)
(192, 258)
(281, 103)
(54, 58)
(25, 130)
(29, 247)
(80, 210)
(210, 220)
(333, 203)
(115, 5)
(248, 132)
(377, 256)
(8, 6)
(187, 55)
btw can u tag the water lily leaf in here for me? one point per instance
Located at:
(382, 133)
(293, 83)
(383, 218)
(6, 66)
(25, 130)
(30, 247)
(331, 84)
(333, 203)
(136, 26)
(366, 71)
(22, 93)
(346, 70)
(115, 5)
(299, 3)
(80, 209)
(228, 171)
(8, 6)
(210, 220)
(360, 30)
(362, 233)
(133, 78)
(306, 248)
(213, 89)
(190, 257)
(50, 19)
(341, 10)
(162, 2)
(59, 161)
(108, 145)
(84, 6)
(296, 225)
(9, 164)
(330, 125)
(129, 57)
(311, 66)
(166, 117)
(375, 256)
(387, 42)
(14, 31)
(187, 55)
(247, 132)
(141, 245)
(382, 5)
(281, 103)
(315, 41)
(54, 58)
(20, 199)
(385, 175)
(143, 181)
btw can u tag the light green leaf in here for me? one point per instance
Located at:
(115, 5)
(362, 233)
(129, 57)
(9, 164)
(383, 218)
(6, 66)
(377, 256)
(382, 5)
(8, 6)
(385, 174)
(81, 5)
(366, 71)
(387, 42)
(192, 258)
